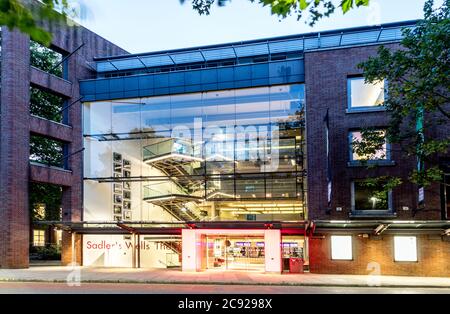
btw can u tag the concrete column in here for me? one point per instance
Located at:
(272, 239)
(14, 149)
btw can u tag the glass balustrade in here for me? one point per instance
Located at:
(171, 146)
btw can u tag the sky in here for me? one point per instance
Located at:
(153, 25)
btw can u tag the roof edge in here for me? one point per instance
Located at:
(254, 41)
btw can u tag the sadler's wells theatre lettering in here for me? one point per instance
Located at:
(104, 245)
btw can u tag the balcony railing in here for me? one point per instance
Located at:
(174, 146)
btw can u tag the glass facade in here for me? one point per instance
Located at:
(221, 155)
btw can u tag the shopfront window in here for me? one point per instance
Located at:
(235, 253)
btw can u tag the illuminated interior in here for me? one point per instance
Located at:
(211, 156)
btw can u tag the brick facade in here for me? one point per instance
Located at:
(377, 253)
(14, 150)
(16, 125)
(326, 74)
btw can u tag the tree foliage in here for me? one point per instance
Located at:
(48, 195)
(313, 9)
(46, 151)
(45, 59)
(26, 15)
(45, 105)
(418, 79)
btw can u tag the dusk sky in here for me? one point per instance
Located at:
(152, 25)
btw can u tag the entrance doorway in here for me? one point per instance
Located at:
(230, 252)
(232, 249)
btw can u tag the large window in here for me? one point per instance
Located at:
(214, 155)
(363, 96)
(38, 237)
(370, 196)
(405, 249)
(376, 151)
(341, 248)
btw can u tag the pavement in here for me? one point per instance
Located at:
(74, 275)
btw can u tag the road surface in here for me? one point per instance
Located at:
(123, 288)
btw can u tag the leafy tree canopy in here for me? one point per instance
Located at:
(26, 15)
(418, 98)
(314, 9)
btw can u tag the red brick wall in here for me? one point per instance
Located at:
(433, 257)
(67, 250)
(14, 150)
(16, 125)
(326, 75)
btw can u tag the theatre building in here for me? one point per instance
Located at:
(238, 157)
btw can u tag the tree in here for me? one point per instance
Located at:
(27, 15)
(418, 98)
(316, 9)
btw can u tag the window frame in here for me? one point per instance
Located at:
(374, 108)
(390, 209)
(40, 236)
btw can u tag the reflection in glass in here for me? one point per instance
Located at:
(370, 196)
(219, 155)
(380, 154)
(365, 95)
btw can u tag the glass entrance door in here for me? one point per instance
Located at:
(235, 253)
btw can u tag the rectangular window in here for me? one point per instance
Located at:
(46, 59)
(362, 96)
(370, 196)
(405, 249)
(445, 195)
(47, 151)
(341, 248)
(38, 237)
(47, 105)
(376, 151)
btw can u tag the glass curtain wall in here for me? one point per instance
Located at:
(221, 155)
